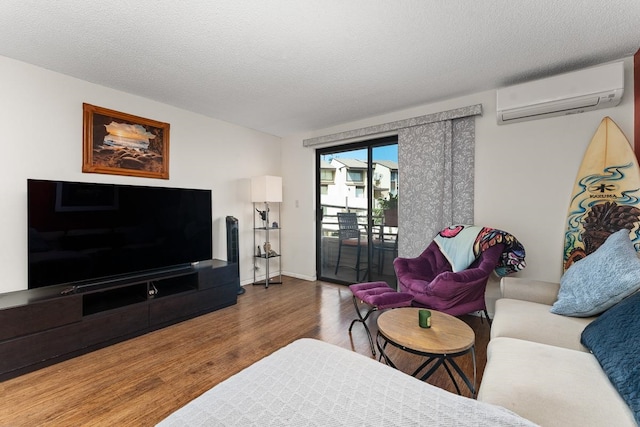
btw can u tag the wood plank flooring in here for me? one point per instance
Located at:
(141, 381)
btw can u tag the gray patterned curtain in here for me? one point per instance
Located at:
(436, 180)
(436, 166)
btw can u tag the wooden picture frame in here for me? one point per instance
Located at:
(123, 144)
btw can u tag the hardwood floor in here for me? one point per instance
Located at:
(142, 380)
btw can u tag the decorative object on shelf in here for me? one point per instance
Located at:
(122, 144)
(264, 215)
(264, 190)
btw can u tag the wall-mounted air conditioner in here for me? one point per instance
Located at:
(570, 93)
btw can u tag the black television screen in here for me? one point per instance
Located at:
(81, 232)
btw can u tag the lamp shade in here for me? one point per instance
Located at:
(266, 189)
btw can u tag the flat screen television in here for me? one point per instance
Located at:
(79, 233)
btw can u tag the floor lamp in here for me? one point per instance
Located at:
(266, 189)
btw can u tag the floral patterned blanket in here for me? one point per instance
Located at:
(462, 244)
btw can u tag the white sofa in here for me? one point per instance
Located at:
(537, 367)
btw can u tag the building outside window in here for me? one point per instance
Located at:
(326, 175)
(355, 175)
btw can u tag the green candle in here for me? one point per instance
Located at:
(424, 318)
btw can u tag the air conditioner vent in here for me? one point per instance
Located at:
(570, 93)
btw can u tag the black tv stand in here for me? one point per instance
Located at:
(44, 326)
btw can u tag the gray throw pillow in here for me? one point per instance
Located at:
(601, 279)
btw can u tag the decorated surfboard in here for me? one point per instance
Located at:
(606, 194)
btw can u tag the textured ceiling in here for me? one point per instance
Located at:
(285, 66)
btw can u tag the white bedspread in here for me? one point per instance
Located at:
(312, 383)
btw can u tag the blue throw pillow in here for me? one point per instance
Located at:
(613, 338)
(601, 279)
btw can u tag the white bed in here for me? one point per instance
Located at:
(312, 383)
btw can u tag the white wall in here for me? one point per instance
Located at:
(41, 123)
(524, 171)
(524, 176)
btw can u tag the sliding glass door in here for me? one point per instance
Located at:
(357, 225)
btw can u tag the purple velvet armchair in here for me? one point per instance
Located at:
(430, 278)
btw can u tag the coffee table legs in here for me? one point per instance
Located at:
(448, 362)
(435, 360)
(383, 355)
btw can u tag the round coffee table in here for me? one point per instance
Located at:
(447, 338)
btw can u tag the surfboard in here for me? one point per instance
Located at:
(606, 194)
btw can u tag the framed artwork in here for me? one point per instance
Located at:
(122, 144)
